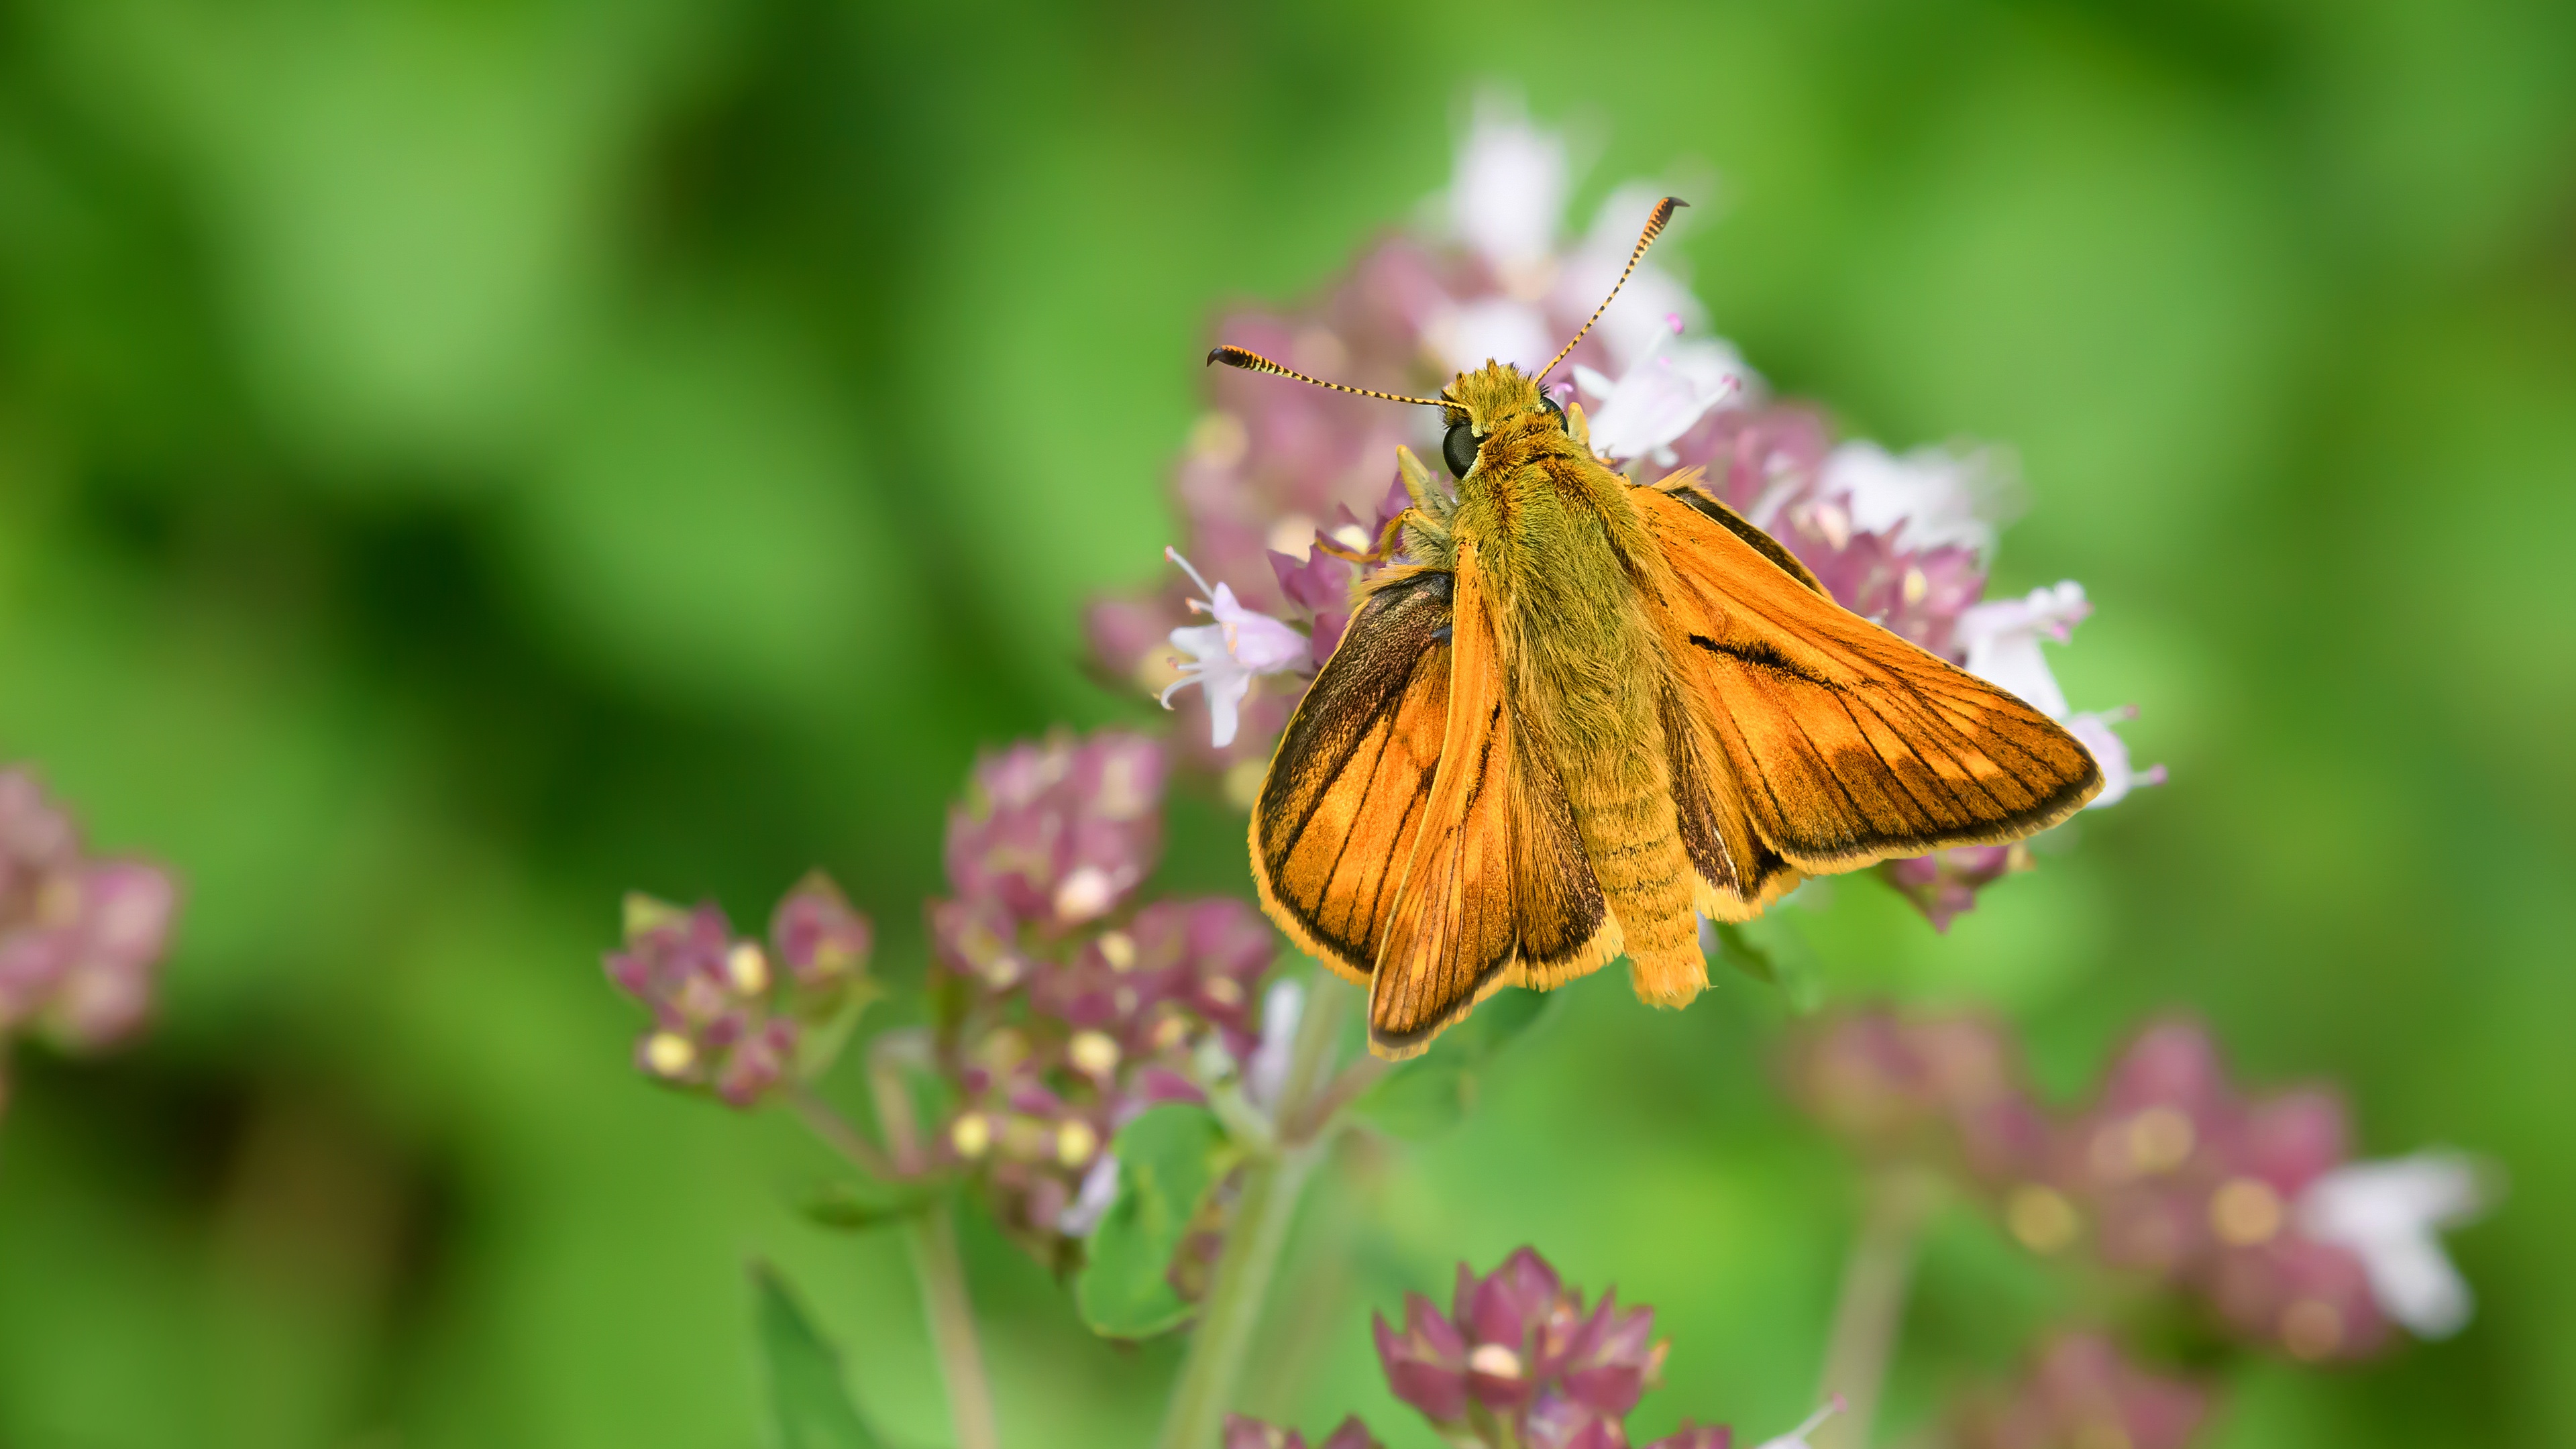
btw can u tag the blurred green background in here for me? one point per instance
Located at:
(461, 459)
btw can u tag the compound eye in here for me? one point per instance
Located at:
(1554, 411)
(1459, 449)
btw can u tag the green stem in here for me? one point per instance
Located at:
(1871, 1311)
(931, 1236)
(1272, 1185)
(942, 1275)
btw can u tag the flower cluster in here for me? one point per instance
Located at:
(2248, 1202)
(733, 1017)
(1067, 1008)
(80, 937)
(1519, 1361)
(2082, 1394)
(1277, 478)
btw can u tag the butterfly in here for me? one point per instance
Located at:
(1581, 712)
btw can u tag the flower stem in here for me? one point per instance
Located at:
(1272, 1185)
(1871, 1311)
(942, 1275)
(931, 1236)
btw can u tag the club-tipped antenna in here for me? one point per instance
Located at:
(1664, 210)
(1250, 361)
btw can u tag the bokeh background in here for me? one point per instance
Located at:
(461, 459)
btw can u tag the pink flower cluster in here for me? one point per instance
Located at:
(728, 1015)
(2247, 1202)
(1067, 1008)
(2081, 1393)
(81, 938)
(1519, 1362)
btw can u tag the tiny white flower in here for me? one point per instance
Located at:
(2119, 777)
(1797, 1438)
(1660, 396)
(1927, 499)
(1493, 328)
(1226, 655)
(2389, 1214)
(1508, 193)
(1092, 1200)
(1267, 1072)
(2002, 639)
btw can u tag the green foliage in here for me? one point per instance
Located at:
(1774, 951)
(1168, 1159)
(809, 1404)
(462, 461)
(1432, 1092)
(852, 1206)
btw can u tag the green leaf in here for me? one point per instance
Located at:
(807, 1401)
(1168, 1158)
(1774, 951)
(1434, 1092)
(852, 1206)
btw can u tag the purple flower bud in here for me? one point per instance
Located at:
(1059, 833)
(818, 938)
(1426, 1365)
(1243, 1433)
(1558, 1421)
(1944, 884)
(1611, 1361)
(1350, 1434)
(1697, 1436)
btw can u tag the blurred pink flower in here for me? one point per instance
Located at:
(81, 938)
(1067, 1007)
(2082, 1393)
(725, 1018)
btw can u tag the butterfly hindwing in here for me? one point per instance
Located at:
(1841, 743)
(1338, 812)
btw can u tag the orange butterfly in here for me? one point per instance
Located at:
(1593, 711)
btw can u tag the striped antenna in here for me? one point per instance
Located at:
(1233, 356)
(1654, 228)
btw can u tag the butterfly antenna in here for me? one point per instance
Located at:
(1233, 356)
(1664, 210)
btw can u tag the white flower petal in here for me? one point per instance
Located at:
(1797, 1438)
(1508, 191)
(1092, 1202)
(1927, 499)
(1661, 395)
(2119, 776)
(1267, 1072)
(2389, 1214)
(1495, 329)
(2002, 637)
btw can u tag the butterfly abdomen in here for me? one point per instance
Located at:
(1586, 669)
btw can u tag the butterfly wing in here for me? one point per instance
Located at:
(1826, 742)
(1496, 887)
(1344, 798)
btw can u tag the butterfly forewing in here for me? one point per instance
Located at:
(1842, 743)
(1496, 871)
(1344, 798)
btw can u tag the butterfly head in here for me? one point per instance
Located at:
(1495, 408)
(1494, 401)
